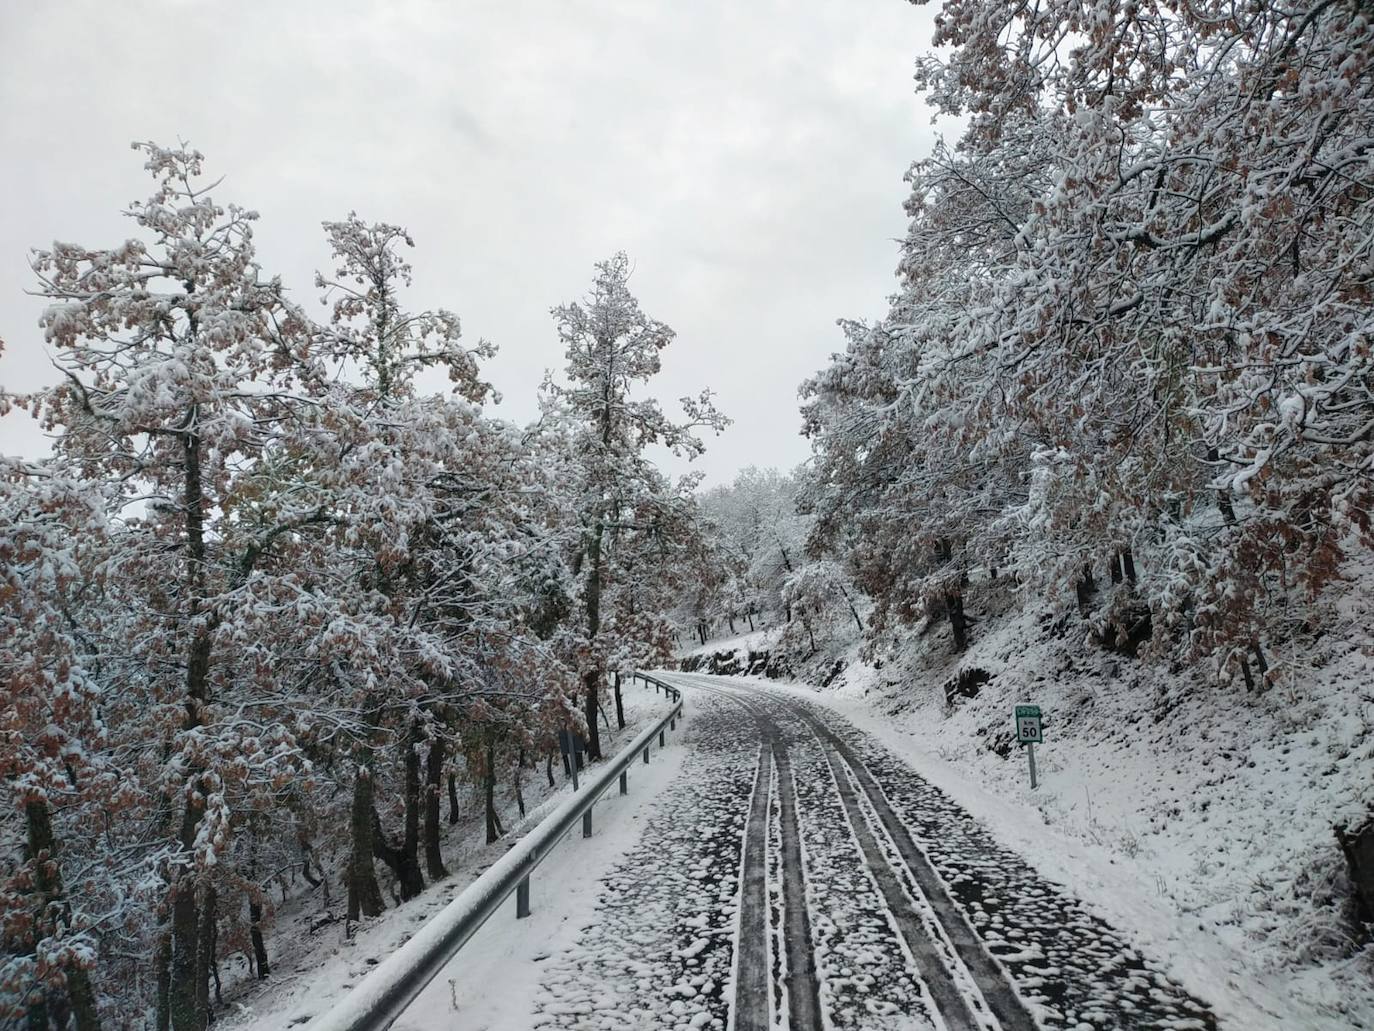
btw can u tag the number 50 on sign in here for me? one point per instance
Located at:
(1028, 724)
(1028, 733)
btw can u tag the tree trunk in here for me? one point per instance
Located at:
(48, 881)
(255, 933)
(453, 813)
(494, 829)
(403, 867)
(619, 705)
(731, 621)
(592, 678)
(260, 965)
(958, 623)
(1261, 663)
(1224, 506)
(1128, 565)
(434, 764)
(184, 994)
(1249, 677)
(1085, 588)
(548, 768)
(364, 894)
(591, 687)
(412, 880)
(852, 610)
(308, 857)
(205, 952)
(214, 963)
(163, 960)
(750, 616)
(519, 783)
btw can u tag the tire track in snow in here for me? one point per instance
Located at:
(803, 998)
(956, 1010)
(801, 1004)
(866, 978)
(751, 959)
(992, 981)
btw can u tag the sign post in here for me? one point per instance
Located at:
(1028, 733)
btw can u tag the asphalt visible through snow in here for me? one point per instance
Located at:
(799, 875)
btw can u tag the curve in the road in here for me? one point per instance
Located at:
(959, 1009)
(772, 886)
(1018, 938)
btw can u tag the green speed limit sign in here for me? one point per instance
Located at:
(1028, 724)
(1028, 733)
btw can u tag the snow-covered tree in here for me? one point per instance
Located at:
(183, 366)
(260, 566)
(430, 498)
(762, 536)
(612, 347)
(1128, 361)
(57, 773)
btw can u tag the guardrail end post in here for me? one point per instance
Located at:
(646, 755)
(522, 899)
(624, 783)
(587, 824)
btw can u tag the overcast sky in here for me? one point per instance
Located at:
(748, 154)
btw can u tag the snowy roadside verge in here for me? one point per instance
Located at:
(491, 984)
(317, 967)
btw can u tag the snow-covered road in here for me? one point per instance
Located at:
(797, 874)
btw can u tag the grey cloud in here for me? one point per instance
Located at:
(749, 156)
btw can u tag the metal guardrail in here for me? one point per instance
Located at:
(383, 995)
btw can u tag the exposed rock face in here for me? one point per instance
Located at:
(737, 663)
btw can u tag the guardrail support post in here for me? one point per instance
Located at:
(672, 724)
(660, 739)
(522, 899)
(646, 755)
(624, 783)
(587, 824)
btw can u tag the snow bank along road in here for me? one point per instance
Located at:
(801, 876)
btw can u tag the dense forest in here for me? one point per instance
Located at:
(269, 605)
